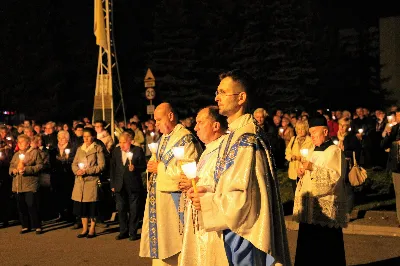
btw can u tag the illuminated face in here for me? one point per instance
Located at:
(124, 143)
(65, 127)
(259, 116)
(318, 135)
(87, 138)
(205, 126)
(98, 127)
(301, 131)
(3, 133)
(28, 132)
(23, 144)
(163, 120)
(227, 97)
(277, 120)
(37, 128)
(62, 139)
(48, 130)
(79, 132)
(343, 128)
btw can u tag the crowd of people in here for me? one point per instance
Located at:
(231, 214)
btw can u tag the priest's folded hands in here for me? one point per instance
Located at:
(152, 166)
(184, 183)
(195, 197)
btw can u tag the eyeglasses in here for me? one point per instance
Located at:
(225, 94)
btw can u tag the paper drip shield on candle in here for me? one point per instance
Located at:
(153, 147)
(190, 170)
(179, 152)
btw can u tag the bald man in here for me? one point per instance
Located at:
(163, 217)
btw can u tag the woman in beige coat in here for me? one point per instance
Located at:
(87, 166)
(292, 154)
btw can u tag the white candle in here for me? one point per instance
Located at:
(179, 152)
(360, 130)
(281, 130)
(153, 147)
(304, 152)
(336, 142)
(21, 156)
(389, 118)
(8, 138)
(228, 132)
(129, 155)
(152, 134)
(190, 171)
(390, 125)
(67, 151)
(349, 128)
(81, 166)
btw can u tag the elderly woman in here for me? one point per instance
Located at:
(63, 177)
(286, 132)
(87, 166)
(293, 155)
(24, 168)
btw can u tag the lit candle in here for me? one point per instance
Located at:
(349, 128)
(281, 130)
(389, 118)
(228, 132)
(152, 135)
(1, 154)
(129, 155)
(190, 170)
(81, 166)
(334, 117)
(304, 152)
(21, 157)
(8, 138)
(67, 152)
(179, 152)
(336, 142)
(360, 130)
(390, 125)
(153, 147)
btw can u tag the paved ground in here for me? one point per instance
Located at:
(59, 246)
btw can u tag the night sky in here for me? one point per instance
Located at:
(49, 57)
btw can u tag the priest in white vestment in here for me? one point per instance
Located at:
(200, 247)
(246, 206)
(163, 221)
(321, 202)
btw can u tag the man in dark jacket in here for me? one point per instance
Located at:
(127, 164)
(392, 140)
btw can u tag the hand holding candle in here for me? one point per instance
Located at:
(67, 152)
(190, 170)
(129, 155)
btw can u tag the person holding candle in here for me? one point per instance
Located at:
(87, 166)
(127, 164)
(163, 220)
(199, 246)
(62, 176)
(392, 141)
(321, 200)
(24, 168)
(302, 140)
(245, 208)
(5, 179)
